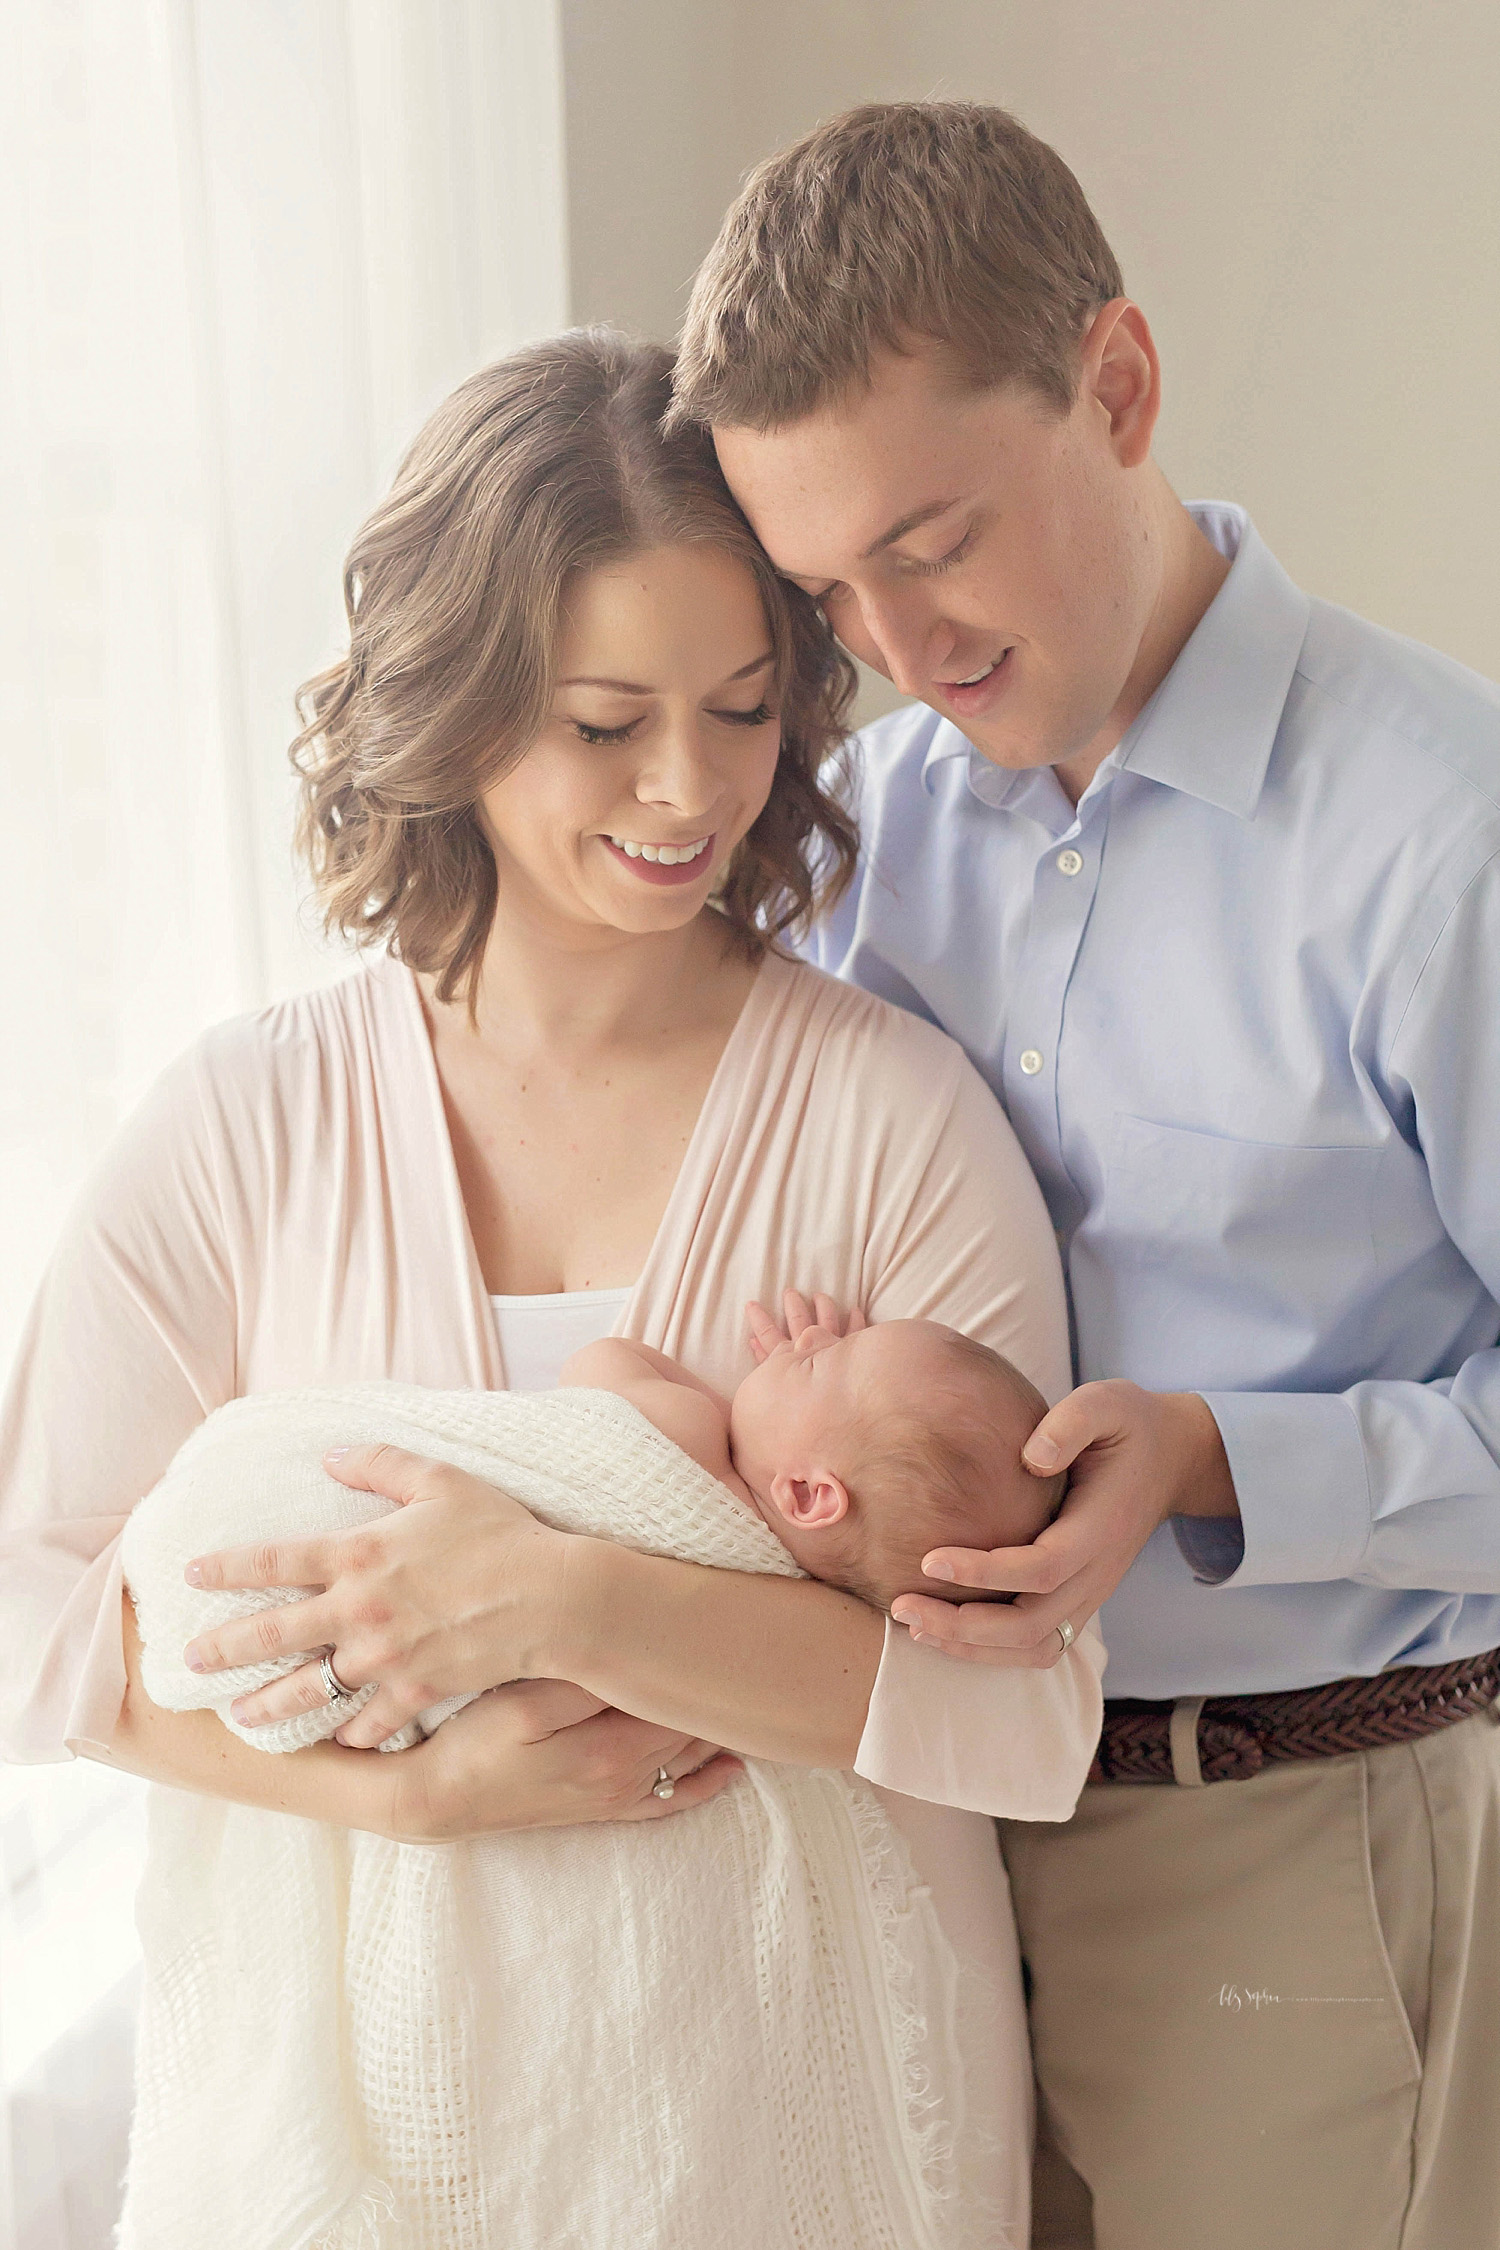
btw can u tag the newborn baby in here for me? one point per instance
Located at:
(849, 1457)
(861, 1452)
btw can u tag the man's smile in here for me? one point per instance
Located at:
(975, 696)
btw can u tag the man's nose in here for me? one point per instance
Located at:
(905, 633)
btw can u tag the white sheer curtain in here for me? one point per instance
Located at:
(243, 249)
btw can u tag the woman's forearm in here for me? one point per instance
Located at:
(195, 1750)
(777, 1668)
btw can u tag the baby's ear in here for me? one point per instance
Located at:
(811, 1503)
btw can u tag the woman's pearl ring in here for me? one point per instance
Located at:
(663, 1785)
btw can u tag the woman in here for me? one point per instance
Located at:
(569, 773)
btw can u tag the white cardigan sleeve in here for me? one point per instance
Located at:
(974, 1247)
(131, 1342)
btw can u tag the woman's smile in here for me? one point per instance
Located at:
(659, 753)
(663, 864)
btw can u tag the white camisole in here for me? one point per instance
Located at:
(538, 1333)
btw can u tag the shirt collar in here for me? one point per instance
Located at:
(1210, 727)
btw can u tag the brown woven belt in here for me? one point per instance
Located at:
(1236, 1735)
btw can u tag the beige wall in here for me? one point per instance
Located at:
(1305, 198)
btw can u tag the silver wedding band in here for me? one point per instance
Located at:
(337, 1692)
(663, 1785)
(1066, 1635)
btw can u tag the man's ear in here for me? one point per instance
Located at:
(1121, 369)
(810, 1503)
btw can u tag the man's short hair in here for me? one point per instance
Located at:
(896, 222)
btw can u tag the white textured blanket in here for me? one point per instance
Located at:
(733, 2028)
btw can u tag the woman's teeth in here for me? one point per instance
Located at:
(665, 855)
(975, 677)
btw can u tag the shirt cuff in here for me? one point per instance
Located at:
(1213, 1547)
(985, 1738)
(1298, 1464)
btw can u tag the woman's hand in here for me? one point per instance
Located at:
(546, 1754)
(766, 1333)
(447, 1598)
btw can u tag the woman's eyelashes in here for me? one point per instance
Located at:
(605, 734)
(761, 716)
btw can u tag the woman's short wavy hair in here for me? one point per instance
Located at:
(549, 463)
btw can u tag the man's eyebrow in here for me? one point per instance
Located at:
(912, 522)
(634, 687)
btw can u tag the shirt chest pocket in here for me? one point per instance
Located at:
(1255, 1251)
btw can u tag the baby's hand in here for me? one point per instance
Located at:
(767, 1335)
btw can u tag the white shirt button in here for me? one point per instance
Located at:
(1070, 862)
(1031, 1062)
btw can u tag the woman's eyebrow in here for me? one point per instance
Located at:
(745, 672)
(634, 687)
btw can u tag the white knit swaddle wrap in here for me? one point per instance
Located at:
(731, 2027)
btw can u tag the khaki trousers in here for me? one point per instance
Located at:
(1266, 2013)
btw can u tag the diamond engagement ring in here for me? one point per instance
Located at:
(663, 1785)
(1066, 1635)
(337, 1692)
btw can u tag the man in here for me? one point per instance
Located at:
(1206, 877)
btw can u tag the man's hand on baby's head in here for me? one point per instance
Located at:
(1134, 1457)
(799, 1313)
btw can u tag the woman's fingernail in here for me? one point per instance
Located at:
(937, 1570)
(1041, 1452)
(194, 1574)
(194, 1661)
(236, 1712)
(336, 1453)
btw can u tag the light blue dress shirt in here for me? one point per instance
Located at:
(1243, 1010)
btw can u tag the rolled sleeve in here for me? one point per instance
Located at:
(1014, 1743)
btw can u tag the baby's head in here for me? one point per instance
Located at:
(866, 1451)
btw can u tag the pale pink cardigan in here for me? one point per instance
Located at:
(284, 1209)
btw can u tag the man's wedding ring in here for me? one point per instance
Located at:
(663, 1785)
(337, 1692)
(1066, 1635)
